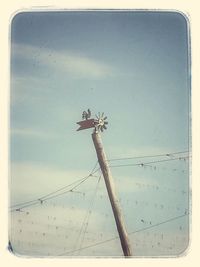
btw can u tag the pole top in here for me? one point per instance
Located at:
(99, 123)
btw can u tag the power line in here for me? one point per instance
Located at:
(134, 232)
(71, 190)
(150, 156)
(86, 219)
(44, 196)
(32, 202)
(89, 213)
(40, 201)
(25, 206)
(93, 170)
(149, 162)
(145, 163)
(23, 203)
(50, 195)
(158, 224)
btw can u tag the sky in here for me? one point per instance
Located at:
(134, 67)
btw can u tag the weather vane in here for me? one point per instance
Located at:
(99, 123)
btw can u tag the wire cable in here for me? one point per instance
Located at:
(44, 196)
(87, 217)
(149, 162)
(71, 190)
(52, 194)
(150, 156)
(134, 232)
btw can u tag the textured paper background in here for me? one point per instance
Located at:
(8, 10)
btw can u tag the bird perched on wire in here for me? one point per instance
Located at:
(86, 114)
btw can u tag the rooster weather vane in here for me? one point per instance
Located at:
(86, 114)
(99, 123)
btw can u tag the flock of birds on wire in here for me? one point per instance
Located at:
(45, 200)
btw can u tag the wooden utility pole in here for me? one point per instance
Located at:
(112, 194)
(100, 124)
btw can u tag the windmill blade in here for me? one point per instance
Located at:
(100, 122)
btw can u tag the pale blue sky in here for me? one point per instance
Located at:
(134, 66)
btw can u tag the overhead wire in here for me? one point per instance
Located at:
(150, 156)
(44, 196)
(130, 233)
(32, 202)
(71, 190)
(87, 217)
(148, 162)
(17, 207)
(77, 183)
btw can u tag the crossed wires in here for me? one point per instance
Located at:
(85, 223)
(130, 233)
(54, 194)
(59, 192)
(170, 157)
(62, 190)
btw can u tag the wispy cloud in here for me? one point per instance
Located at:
(67, 61)
(31, 180)
(32, 133)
